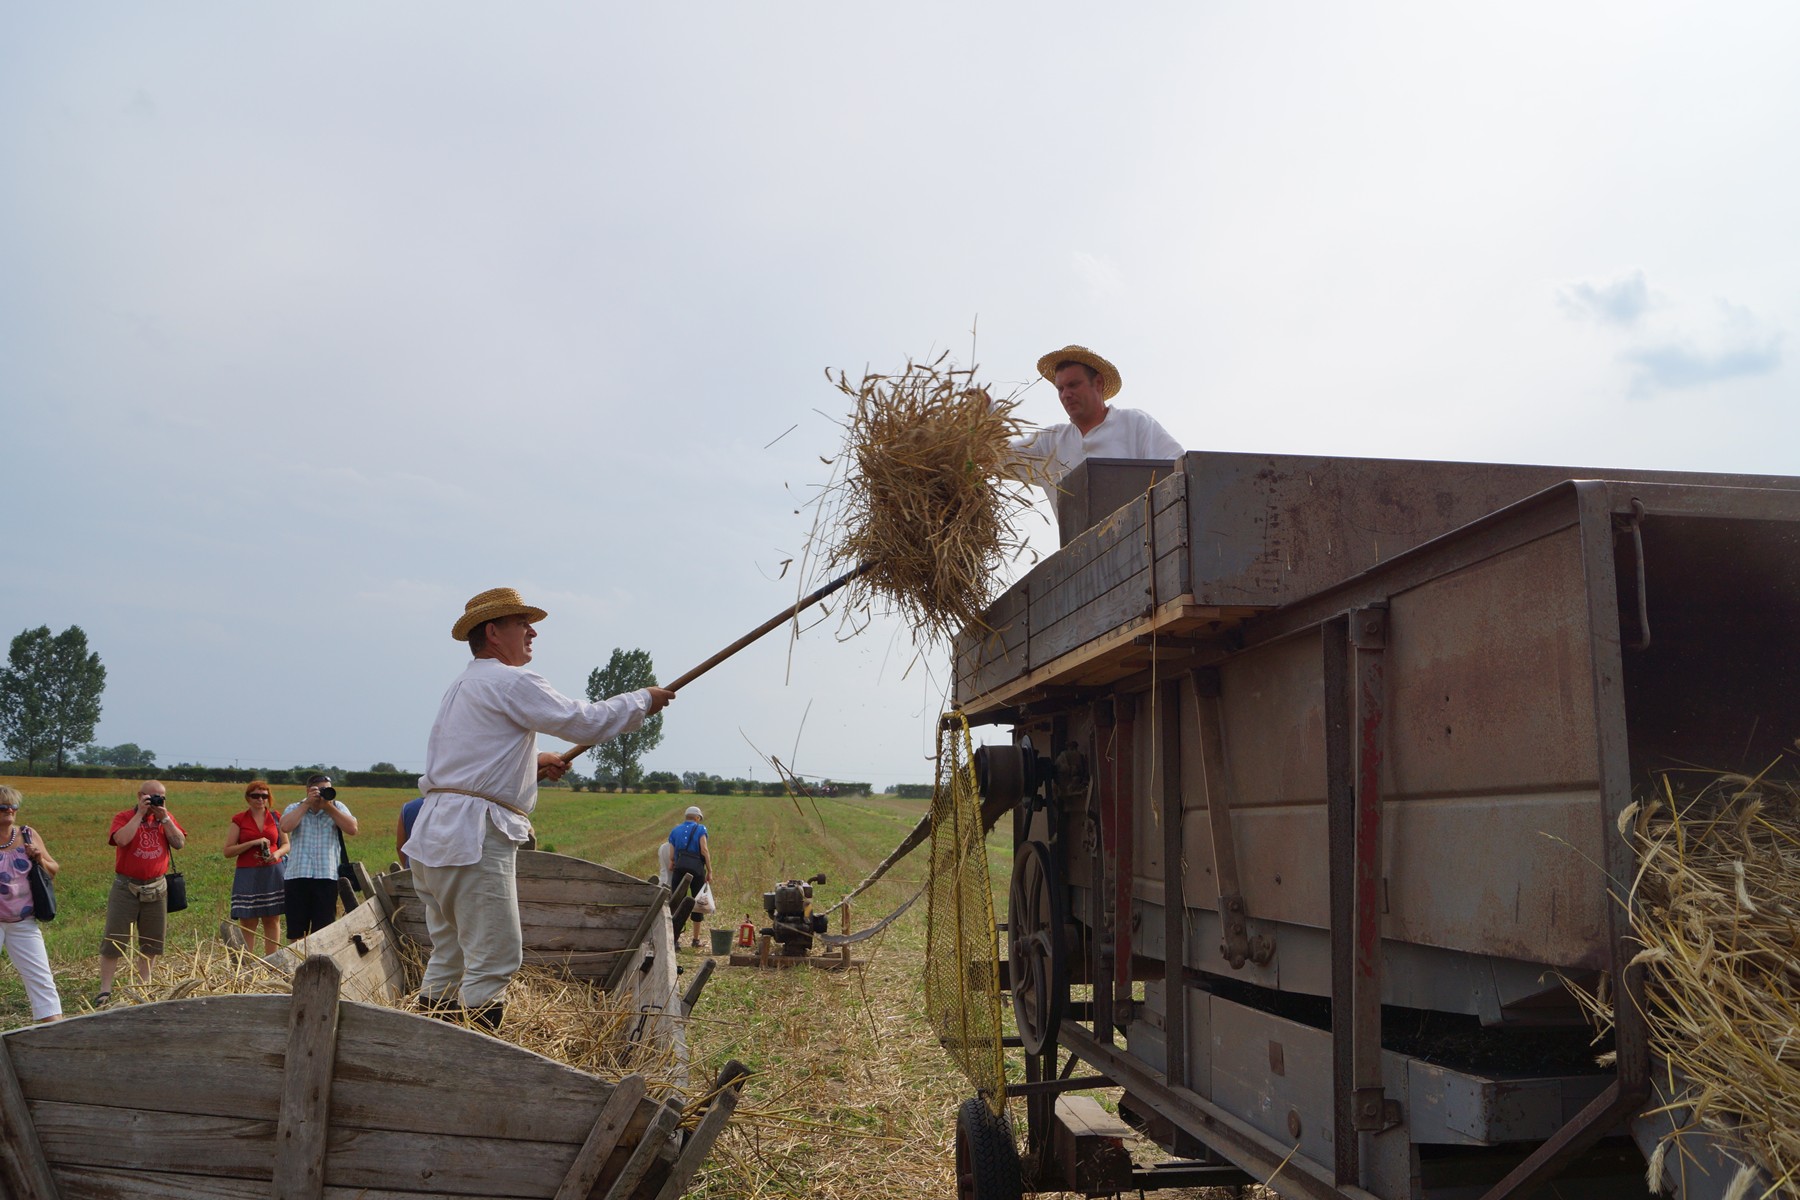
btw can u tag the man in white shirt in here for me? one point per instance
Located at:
(482, 768)
(1084, 383)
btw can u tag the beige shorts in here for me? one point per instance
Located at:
(144, 903)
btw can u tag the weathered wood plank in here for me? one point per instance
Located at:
(399, 1160)
(305, 1120)
(24, 1171)
(652, 1146)
(104, 1183)
(391, 1067)
(79, 1061)
(652, 912)
(727, 1090)
(602, 1140)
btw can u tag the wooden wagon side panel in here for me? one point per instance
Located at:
(373, 967)
(183, 1098)
(577, 915)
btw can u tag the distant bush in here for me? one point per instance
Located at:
(912, 791)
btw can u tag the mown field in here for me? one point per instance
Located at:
(852, 1098)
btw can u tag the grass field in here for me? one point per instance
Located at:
(852, 1098)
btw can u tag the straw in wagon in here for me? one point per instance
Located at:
(1715, 907)
(925, 495)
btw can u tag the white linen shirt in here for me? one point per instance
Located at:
(1125, 433)
(484, 742)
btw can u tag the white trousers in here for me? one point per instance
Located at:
(472, 915)
(23, 942)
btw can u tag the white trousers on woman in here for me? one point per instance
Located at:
(23, 942)
(472, 915)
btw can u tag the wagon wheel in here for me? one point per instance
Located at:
(987, 1161)
(1037, 937)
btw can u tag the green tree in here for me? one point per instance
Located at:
(625, 671)
(127, 754)
(389, 767)
(50, 695)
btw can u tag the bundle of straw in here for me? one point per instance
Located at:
(1716, 905)
(926, 491)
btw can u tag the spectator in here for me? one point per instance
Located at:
(142, 837)
(692, 867)
(258, 888)
(316, 826)
(409, 813)
(20, 936)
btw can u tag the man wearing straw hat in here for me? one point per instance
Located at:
(1084, 383)
(482, 768)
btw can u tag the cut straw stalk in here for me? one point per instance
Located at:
(1716, 906)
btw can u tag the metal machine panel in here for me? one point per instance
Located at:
(1490, 677)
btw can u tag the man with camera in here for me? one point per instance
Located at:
(141, 837)
(316, 828)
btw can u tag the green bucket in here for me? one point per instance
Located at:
(722, 941)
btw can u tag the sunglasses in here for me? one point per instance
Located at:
(258, 795)
(9, 808)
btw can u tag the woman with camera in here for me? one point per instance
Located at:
(258, 890)
(142, 837)
(20, 937)
(318, 826)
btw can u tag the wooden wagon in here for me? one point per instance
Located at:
(317, 1097)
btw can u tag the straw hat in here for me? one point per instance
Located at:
(694, 812)
(1110, 383)
(491, 605)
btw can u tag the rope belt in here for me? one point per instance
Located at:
(512, 808)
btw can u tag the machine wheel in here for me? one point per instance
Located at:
(987, 1162)
(1037, 940)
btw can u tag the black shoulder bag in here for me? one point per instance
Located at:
(43, 891)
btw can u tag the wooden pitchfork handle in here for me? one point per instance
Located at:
(782, 617)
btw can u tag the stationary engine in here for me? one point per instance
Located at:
(793, 923)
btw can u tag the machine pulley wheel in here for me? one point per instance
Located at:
(987, 1160)
(1003, 773)
(1037, 946)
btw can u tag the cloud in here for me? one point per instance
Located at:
(1670, 343)
(1622, 302)
(1101, 274)
(1738, 346)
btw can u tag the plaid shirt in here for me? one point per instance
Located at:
(314, 842)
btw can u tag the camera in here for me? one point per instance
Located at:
(156, 801)
(328, 793)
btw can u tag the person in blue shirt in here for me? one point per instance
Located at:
(693, 863)
(409, 812)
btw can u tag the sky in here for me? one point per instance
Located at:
(316, 320)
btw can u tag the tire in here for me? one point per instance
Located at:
(987, 1161)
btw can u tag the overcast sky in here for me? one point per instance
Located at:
(317, 319)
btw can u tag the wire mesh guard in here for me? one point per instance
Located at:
(962, 967)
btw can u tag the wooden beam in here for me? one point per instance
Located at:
(652, 911)
(691, 997)
(300, 1132)
(24, 1172)
(609, 1127)
(644, 1153)
(726, 1092)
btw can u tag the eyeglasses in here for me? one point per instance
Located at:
(259, 795)
(9, 808)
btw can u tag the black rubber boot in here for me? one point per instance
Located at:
(488, 1015)
(441, 1007)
